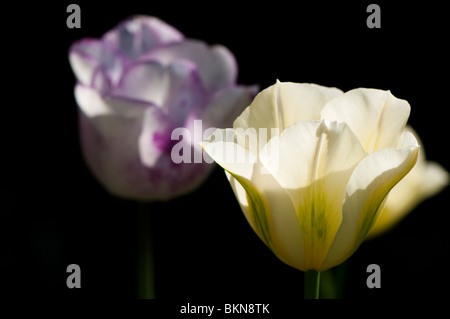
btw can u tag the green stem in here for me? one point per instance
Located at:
(332, 281)
(146, 280)
(328, 285)
(312, 284)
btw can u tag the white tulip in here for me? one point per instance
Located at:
(315, 182)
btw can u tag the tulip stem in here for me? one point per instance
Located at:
(312, 284)
(146, 280)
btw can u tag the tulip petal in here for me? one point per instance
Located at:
(303, 101)
(187, 95)
(145, 81)
(176, 88)
(111, 113)
(88, 55)
(241, 196)
(112, 147)
(217, 65)
(424, 180)
(140, 34)
(285, 238)
(286, 235)
(435, 179)
(93, 104)
(101, 81)
(240, 163)
(125, 143)
(365, 193)
(313, 161)
(232, 157)
(152, 125)
(155, 136)
(264, 202)
(109, 143)
(375, 116)
(281, 105)
(227, 104)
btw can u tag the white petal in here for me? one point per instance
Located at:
(241, 196)
(231, 156)
(303, 101)
(83, 67)
(290, 156)
(375, 116)
(366, 191)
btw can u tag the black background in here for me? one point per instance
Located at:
(55, 213)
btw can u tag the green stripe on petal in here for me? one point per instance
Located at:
(240, 162)
(258, 211)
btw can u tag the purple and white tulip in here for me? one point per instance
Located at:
(138, 83)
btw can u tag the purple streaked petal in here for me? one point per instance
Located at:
(88, 55)
(92, 103)
(109, 143)
(155, 136)
(187, 94)
(147, 81)
(141, 34)
(217, 65)
(130, 155)
(101, 81)
(227, 104)
(114, 159)
(112, 136)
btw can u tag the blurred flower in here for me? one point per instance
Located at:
(425, 180)
(135, 85)
(311, 167)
